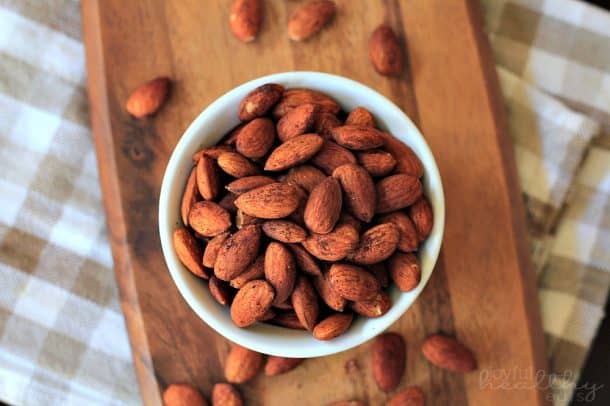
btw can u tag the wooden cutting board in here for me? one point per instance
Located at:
(483, 289)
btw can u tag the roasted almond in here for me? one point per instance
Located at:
(237, 165)
(332, 326)
(357, 137)
(189, 197)
(208, 181)
(281, 365)
(225, 394)
(293, 152)
(304, 176)
(272, 201)
(331, 156)
(377, 163)
(333, 246)
(246, 18)
(284, 231)
(408, 241)
(376, 244)
(287, 319)
(304, 261)
(310, 18)
(376, 307)
(211, 152)
(296, 122)
(421, 214)
(269, 314)
(242, 364)
(243, 185)
(352, 282)
(259, 101)
(404, 271)
(448, 353)
(148, 98)
(385, 52)
(324, 123)
(189, 252)
(360, 116)
(251, 302)
(256, 138)
(180, 394)
(388, 359)
(412, 396)
(237, 252)
(295, 97)
(406, 160)
(220, 291)
(211, 250)
(305, 302)
(280, 270)
(358, 189)
(323, 206)
(209, 219)
(351, 220)
(396, 192)
(256, 270)
(330, 296)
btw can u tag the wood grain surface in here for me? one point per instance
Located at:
(483, 289)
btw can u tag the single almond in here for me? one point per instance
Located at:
(293, 152)
(242, 364)
(242, 219)
(407, 161)
(189, 252)
(211, 152)
(384, 51)
(421, 214)
(357, 137)
(211, 250)
(360, 116)
(284, 231)
(287, 319)
(333, 246)
(305, 176)
(256, 138)
(208, 181)
(388, 359)
(376, 307)
(352, 282)
(251, 302)
(323, 206)
(272, 201)
(237, 165)
(259, 101)
(246, 18)
(225, 394)
(409, 240)
(310, 18)
(256, 270)
(331, 156)
(304, 261)
(397, 192)
(332, 326)
(280, 270)
(296, 122)
(243, 185)
(297, 96)
(237, 252)
(228, 202)
(330, 296)
(209, 219)
(404, 271)
(305, 302)
(180, 394)
(412, 396)
(220, 291)
(324, 123)
(148, 98)
(376, 162)
(448, 353)
(376, 244)
(189, 197)
(381, 274)
(358, 189)
(281, 365)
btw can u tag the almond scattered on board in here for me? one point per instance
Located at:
(242, 364)
(310, 18)
(246, 18)
(385, 52)
(448, 353)
(148, 98)
(225, 394)
(388, 360)
(182, 394)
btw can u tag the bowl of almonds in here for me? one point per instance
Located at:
(301, 214)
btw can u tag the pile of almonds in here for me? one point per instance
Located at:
(301, 218)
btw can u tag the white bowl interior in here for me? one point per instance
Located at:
(207, 129)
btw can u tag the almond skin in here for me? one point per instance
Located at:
(243, 185)
(189, 197)
(237, 165)
(209, 219)
(148, 98)
(296, 122)
(334, 245)
(376, 307)
(284, 231)
(237, 252)
(404, 271)
(287, 319)
(352, 282)
(211, 152)
(323, 206)
(412, 396)
(305, 303)
(324, 123)
(304, 261)
(377, 163)
(225, 394)
(251, 302)
(208, 181)
(356, 137)
(242, 364)
(182, 394)
(360, 116)
(293, 152)
(259, 101)
(376, 244)
(309, 19)
(220, 291)
(245, 19)
(255, 270)
(280, 270)
(211, 250)
(272, 201)
(384, 51)
(388, 359)
(304, 176)
(256, 138)
(407, 161)
(409, 240)
(358, 189)
(421, 215)
(295, 97)
(448, 353)
(280, 365)
(332, 299)
(189, 252)
(396, 192)
(332, 326)
(331, 156)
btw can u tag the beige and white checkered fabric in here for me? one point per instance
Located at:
(62, 337)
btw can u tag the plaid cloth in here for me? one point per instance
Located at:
(62, 337)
